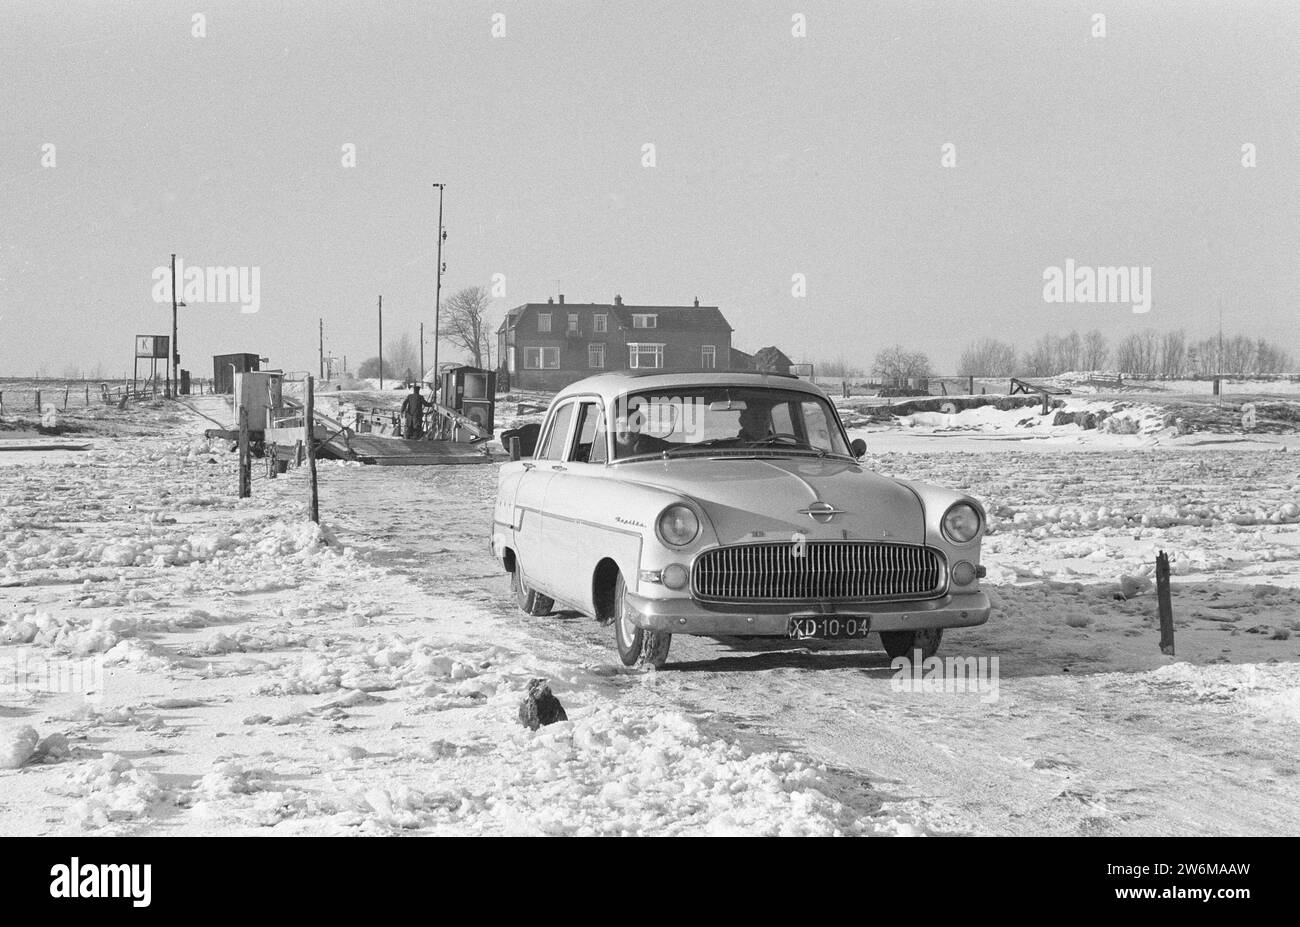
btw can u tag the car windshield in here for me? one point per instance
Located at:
(724, 419)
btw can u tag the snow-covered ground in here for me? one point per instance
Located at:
(260, 675)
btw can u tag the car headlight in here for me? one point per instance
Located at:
(678, 525)
(961, 523)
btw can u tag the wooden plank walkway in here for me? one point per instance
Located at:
(390, 452)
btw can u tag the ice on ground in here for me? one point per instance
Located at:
(17, 745)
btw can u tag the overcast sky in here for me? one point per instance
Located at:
(775, 155)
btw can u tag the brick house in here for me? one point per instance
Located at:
(552, 344)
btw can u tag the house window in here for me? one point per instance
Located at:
(543, 321)
(708, 356)
(645, 356)
(595, 355)
(645, 320)
(601, 322)
(541, 358)
(573, 321)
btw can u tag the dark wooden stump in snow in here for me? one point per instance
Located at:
(540, 706)
(1165, 604)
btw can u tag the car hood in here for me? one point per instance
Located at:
(748, 498)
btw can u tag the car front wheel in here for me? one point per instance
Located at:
(529, 600)
(637, 646)
(906, 643)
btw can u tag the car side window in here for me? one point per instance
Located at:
(589, 426)
(599, 440)
(553, 446)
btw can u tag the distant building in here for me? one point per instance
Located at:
(552, 344)
(741, 361)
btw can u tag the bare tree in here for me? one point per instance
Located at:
(1041, 359)
(988, 357)
(1270, 359)
(464, 323)
(1095, 350)
(1069, 350)
(1173, 354)
(1138, 354)
(401, 357)
(897, 364)
(838, 368)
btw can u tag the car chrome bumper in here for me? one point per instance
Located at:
(686, 616)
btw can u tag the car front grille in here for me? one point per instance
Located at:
(817, 571)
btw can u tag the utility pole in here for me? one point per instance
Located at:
(175, 352)
(423, 371)
(322, 349)
(437, 299)
(381, 341)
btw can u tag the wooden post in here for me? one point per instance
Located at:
(971, 391)
(66, 390)
(514, 448)
(1165, 604)
(308, 416)
(87, 396)
(245, 457)
(38, 400)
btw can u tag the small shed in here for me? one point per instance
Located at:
(225, 366)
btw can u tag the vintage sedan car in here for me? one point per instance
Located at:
(729, 504)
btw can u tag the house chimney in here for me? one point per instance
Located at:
(551, 300)
(561, 299)
(618, 300)
(697, 302)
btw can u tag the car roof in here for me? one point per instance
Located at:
(611, 385)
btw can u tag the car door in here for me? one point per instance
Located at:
(540, 566)
(567, 529)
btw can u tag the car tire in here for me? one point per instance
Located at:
(529, 600)
(637, 646)
(905, 643)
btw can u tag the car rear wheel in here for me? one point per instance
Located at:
(905, 643)
(529, 600)
(637, 646)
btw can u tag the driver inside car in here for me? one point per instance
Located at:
(755, 424)
(628, 439)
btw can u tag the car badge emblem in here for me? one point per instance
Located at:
(821, 512)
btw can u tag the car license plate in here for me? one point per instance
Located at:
(830, 627)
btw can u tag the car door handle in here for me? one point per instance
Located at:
(529, 466)
(558, 467)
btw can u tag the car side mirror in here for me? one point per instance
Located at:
(859, 447)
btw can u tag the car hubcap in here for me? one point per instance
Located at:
(626, 629)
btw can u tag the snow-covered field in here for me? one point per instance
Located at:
(255, 674)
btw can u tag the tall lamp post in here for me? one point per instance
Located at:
(175, 353)
(437, 298)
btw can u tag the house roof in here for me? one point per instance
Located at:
(677, 318)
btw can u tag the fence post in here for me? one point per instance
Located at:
(66, 390)
(309, 414)
(245, 457)
(38, 400)
(1165, 604)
